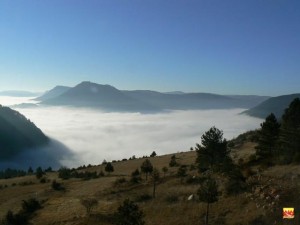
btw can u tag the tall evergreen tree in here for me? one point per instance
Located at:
(147, 167)
(39, 172)
(155, 178)
(208, 193)
(290, 133)
(268, 137)
(213, 151)
(109, 168)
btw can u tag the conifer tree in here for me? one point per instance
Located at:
(268, 137)
(213, 151)
(109, 168)
(147, 167)
(155, 178)
(290, 133)
(129, 214)
(208, 193)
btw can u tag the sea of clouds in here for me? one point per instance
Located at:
(92, 135)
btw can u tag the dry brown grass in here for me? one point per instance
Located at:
(170, 207)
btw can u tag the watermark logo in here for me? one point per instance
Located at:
(288, 213)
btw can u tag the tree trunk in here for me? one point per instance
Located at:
(154, 186)
(206, 217)
(146, 176)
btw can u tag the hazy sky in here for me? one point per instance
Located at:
(227, 47)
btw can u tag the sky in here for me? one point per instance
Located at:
(216, 46)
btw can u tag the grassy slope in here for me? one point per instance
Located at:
(65, 207)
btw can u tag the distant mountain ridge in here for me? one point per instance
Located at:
(88, 94)
(107, 97)
(275, 105)
(56, 91)
(13, 93)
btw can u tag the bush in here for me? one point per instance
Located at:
(15, 219)
(143, 198)
(101, 174)
(43, 180)
(173, 161)
(57, 186)
(31, 205)
(119, 181)
(172, 198)
(64, 173)
(89, 204)
(195, 180)
(236, 182)
(129, 214)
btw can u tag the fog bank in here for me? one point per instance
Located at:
(94, 135)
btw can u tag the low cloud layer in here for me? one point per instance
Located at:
(49, 155)
(94, 136)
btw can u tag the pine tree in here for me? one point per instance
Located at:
(290, 133)
(208, 193)
(173, 161)
(153, 154)
(39, 172)
(268, 137)
(147, 167)
(155, 178)
(182, 172)
(213, 151)
(109, 168)
(129, 214)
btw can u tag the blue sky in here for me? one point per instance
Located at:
(226, 47)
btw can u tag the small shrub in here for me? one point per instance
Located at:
(43, 180)
(135, 179)
(172, 198)
(64, 173)
(120, 181)
(89, 204)
(173, 161)
(15, 219)
(192, 167)
(129, 214)
(31, 205)
(57, 186)
(143, 198)
(101, 174)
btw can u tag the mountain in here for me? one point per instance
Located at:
(251, 99)
(56, 91)
(175, 92)
(185, 101)
(275, 105)
(106, 97)
(17, 134)
(18, 93)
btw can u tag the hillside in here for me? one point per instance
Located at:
(275, 105)
(17, 134)
(170, 207)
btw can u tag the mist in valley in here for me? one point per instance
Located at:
(90, 136)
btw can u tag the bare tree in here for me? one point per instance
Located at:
(89, 204)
